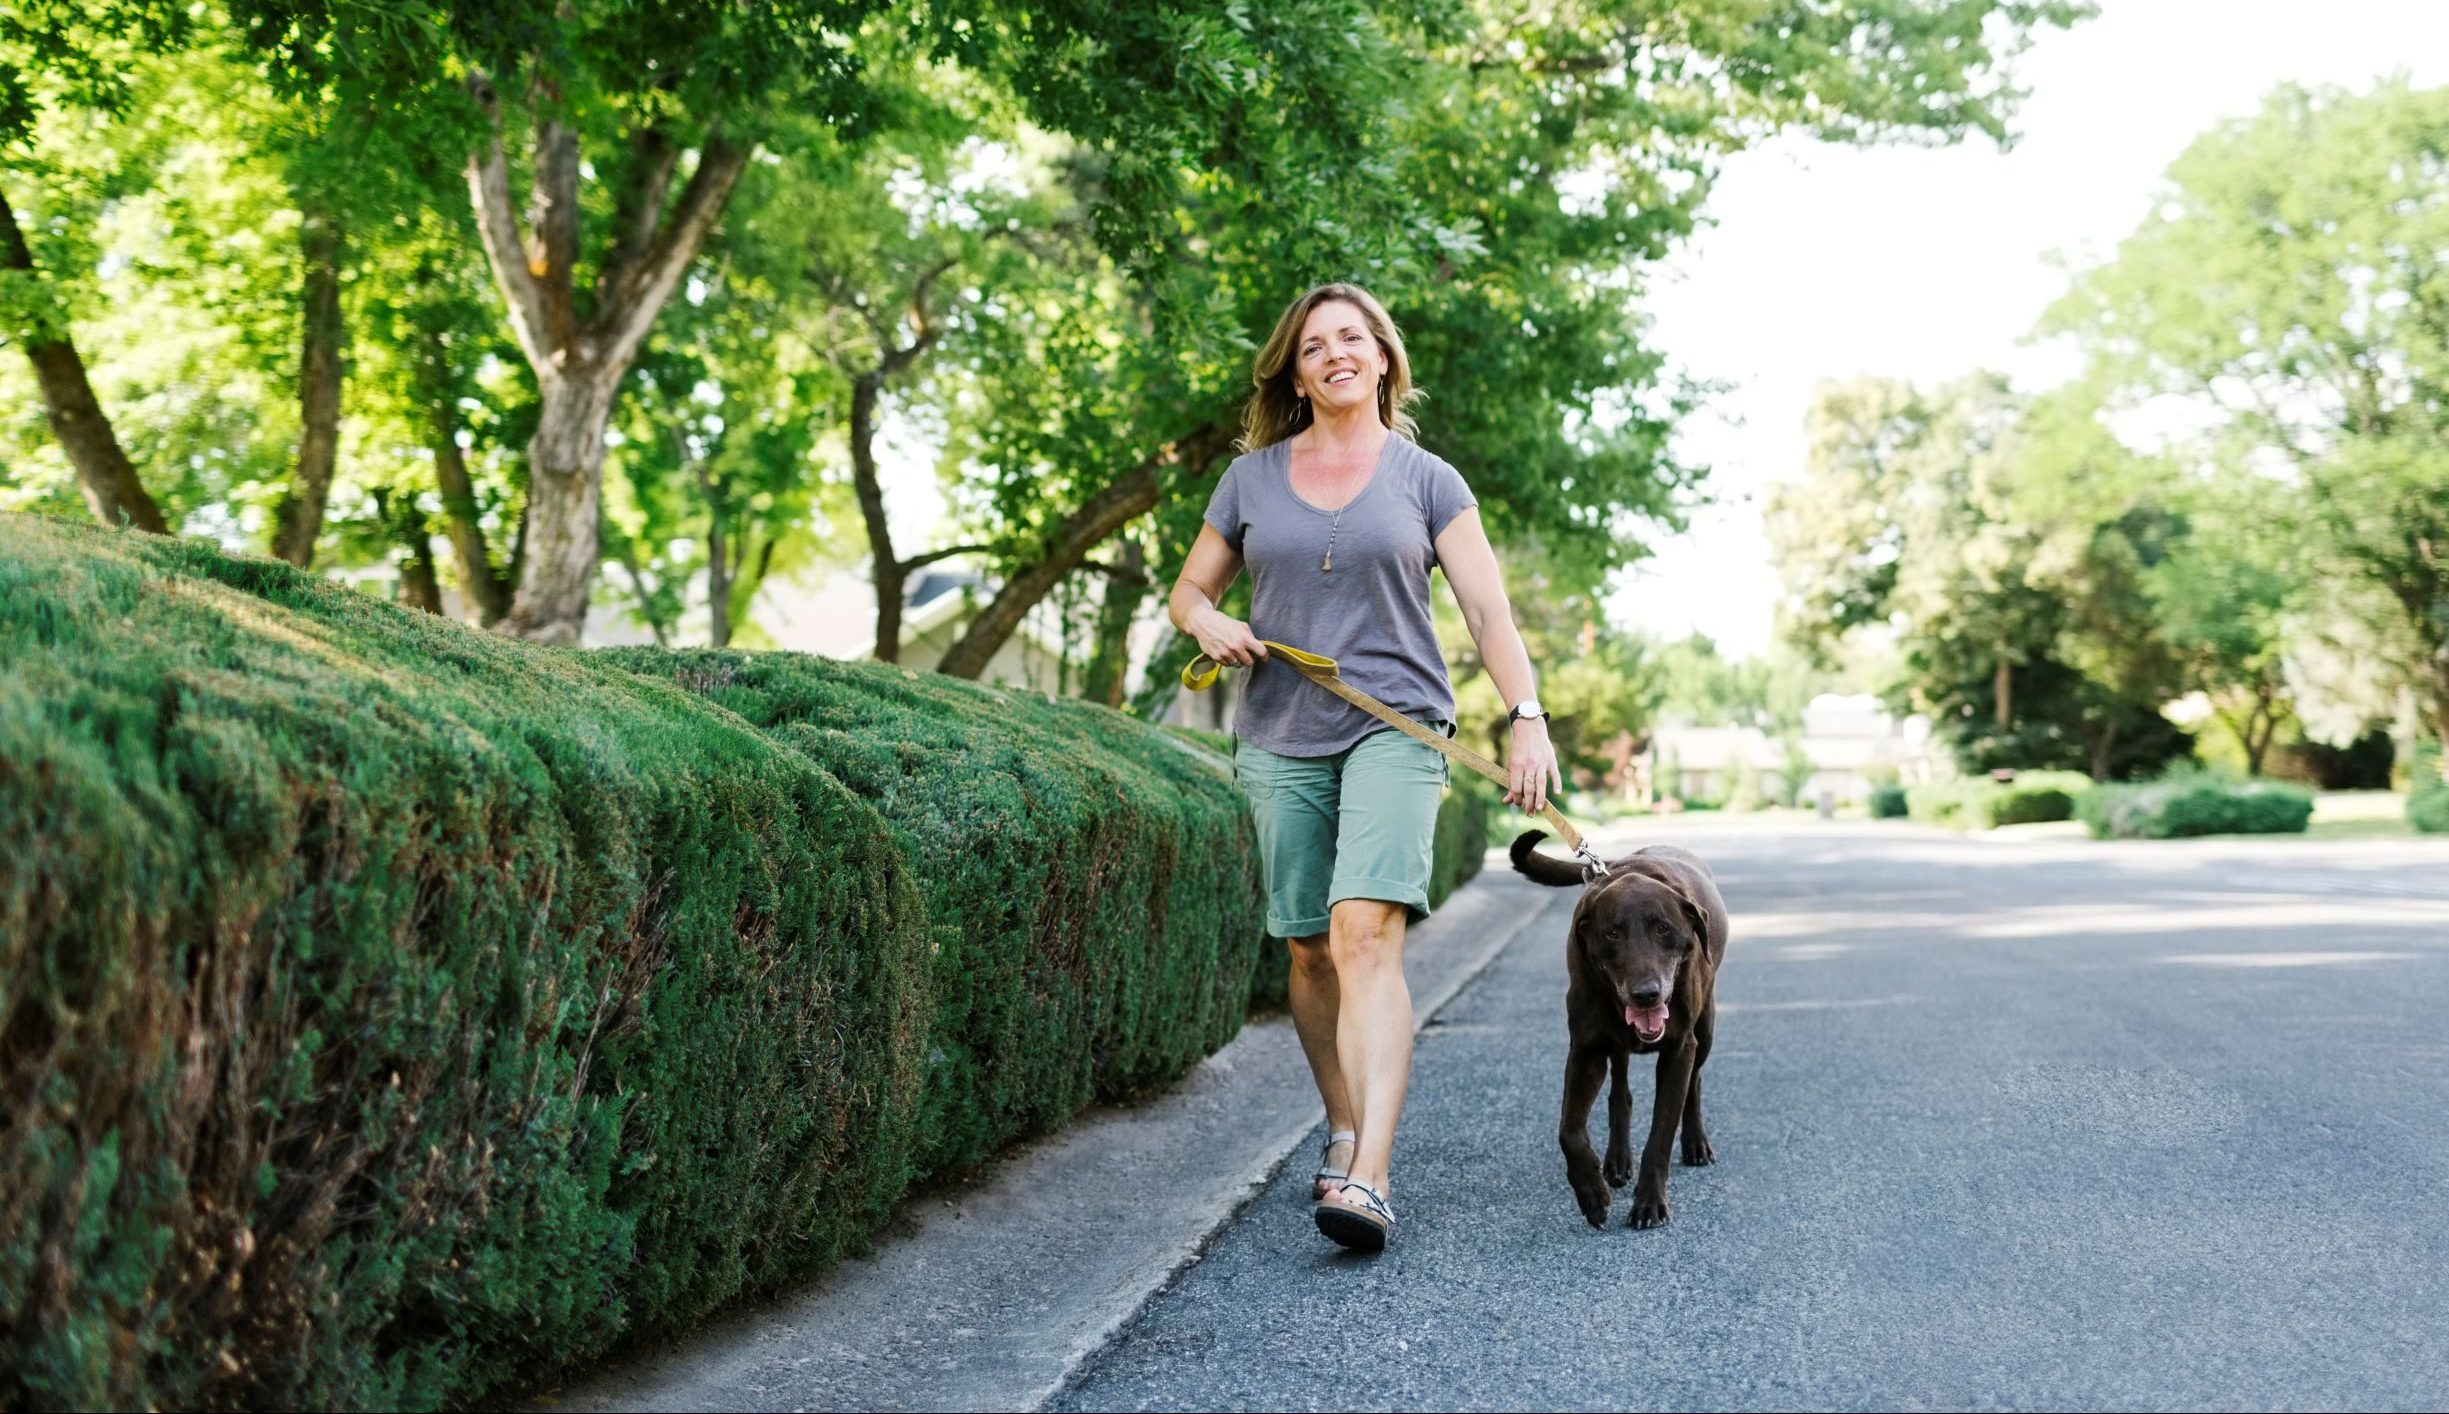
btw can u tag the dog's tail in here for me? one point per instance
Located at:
(1544, 868)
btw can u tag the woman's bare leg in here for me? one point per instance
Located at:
(1315, 1000)
(1373, 1026)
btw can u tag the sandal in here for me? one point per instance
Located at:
(1329, 1178)
(1357, 1217)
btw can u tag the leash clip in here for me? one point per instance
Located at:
(1593, 867)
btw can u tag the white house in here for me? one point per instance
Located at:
(1852, 742)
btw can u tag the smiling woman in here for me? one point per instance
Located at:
(1341, 516)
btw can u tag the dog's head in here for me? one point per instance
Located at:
(1634, 927)
(1636, 931)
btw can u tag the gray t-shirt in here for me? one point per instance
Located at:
(1370, 612)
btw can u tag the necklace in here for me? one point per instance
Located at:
(1327, 565)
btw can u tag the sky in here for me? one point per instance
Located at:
(1830, 262)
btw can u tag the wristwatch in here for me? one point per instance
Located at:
(1527, 707)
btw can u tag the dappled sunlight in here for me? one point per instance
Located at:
(1811, 952)
(1818, 1004)
(2284, 959)
(2330, 915)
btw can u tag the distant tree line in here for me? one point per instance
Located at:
(2245, 496)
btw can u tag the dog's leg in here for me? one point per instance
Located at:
(1585, 1069)
(1697, 1149)
(1650, 1195)
(1619, 1120)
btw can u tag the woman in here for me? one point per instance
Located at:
(1339, 515)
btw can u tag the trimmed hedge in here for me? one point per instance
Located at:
(1980, 803)
(1089, 880)
(393, 1010)
(1887, 803)
(2427, 801)
(2195, 805)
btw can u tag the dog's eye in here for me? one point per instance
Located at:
(1615, 932)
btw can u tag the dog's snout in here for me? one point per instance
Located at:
(1647, 997)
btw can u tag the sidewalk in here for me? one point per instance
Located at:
(987, 1295)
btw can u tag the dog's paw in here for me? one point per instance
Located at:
(1648, 1212)
(1699, 1153)
(1619, 1168)
(1593, 1199)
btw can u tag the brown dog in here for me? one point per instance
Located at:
(1642, 968)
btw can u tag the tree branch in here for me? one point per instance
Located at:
(552, 247)
(623, 320)
(497, 228)
(922, 561)
(653, 157)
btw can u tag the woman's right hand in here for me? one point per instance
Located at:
(1227, 639)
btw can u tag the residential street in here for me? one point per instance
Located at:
(2000, 1124)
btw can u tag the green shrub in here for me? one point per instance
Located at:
(2194, 804)
(394, 1010)
(1980, 803)
(1465, 817)
(1090, 882)
(2427, 801)
(1887, 802)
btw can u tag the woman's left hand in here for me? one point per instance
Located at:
(1531, 766)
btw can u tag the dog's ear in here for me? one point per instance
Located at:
(1540, 868)
(1694, 914)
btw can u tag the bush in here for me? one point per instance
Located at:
(1979, 803)
(2362, 764)
(2195, 805)
(396, 1010)
(1089, 881)
(1887, 803)
(2427, 801)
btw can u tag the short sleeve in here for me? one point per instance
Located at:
(1224, 507)
(1447, 496)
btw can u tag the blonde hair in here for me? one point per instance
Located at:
(1277, 410)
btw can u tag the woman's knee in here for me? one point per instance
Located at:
(1366, 934)
(1312, 959)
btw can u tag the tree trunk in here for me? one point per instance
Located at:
(1110, 661)
(2002, 689)
(417, 573)
(718, 563)
(2102, 746)
(1133, 494)
(104, 473)
(300, 517)
(891, 576)
(418, 587)
(579, 363)
(565, 478)
(2261, 728)
(486, 587)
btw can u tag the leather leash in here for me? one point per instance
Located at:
(1200, 674)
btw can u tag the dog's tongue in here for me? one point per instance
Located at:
(1647, 1022)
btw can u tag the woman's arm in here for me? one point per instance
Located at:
(1479, 587)
(1206, 575)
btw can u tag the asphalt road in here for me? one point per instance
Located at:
(2027, 1125)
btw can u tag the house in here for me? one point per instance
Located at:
(836, 618)
(1850, 742)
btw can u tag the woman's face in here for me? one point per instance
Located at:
(1338, 364)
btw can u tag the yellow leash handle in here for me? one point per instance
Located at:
(1200, 674)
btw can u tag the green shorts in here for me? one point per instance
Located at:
(1361, 823)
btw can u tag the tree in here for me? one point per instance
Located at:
(2007, 542)
(2291, 282)
(1468, 203)
(55, 57)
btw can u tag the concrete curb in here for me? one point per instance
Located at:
(990, 1295)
